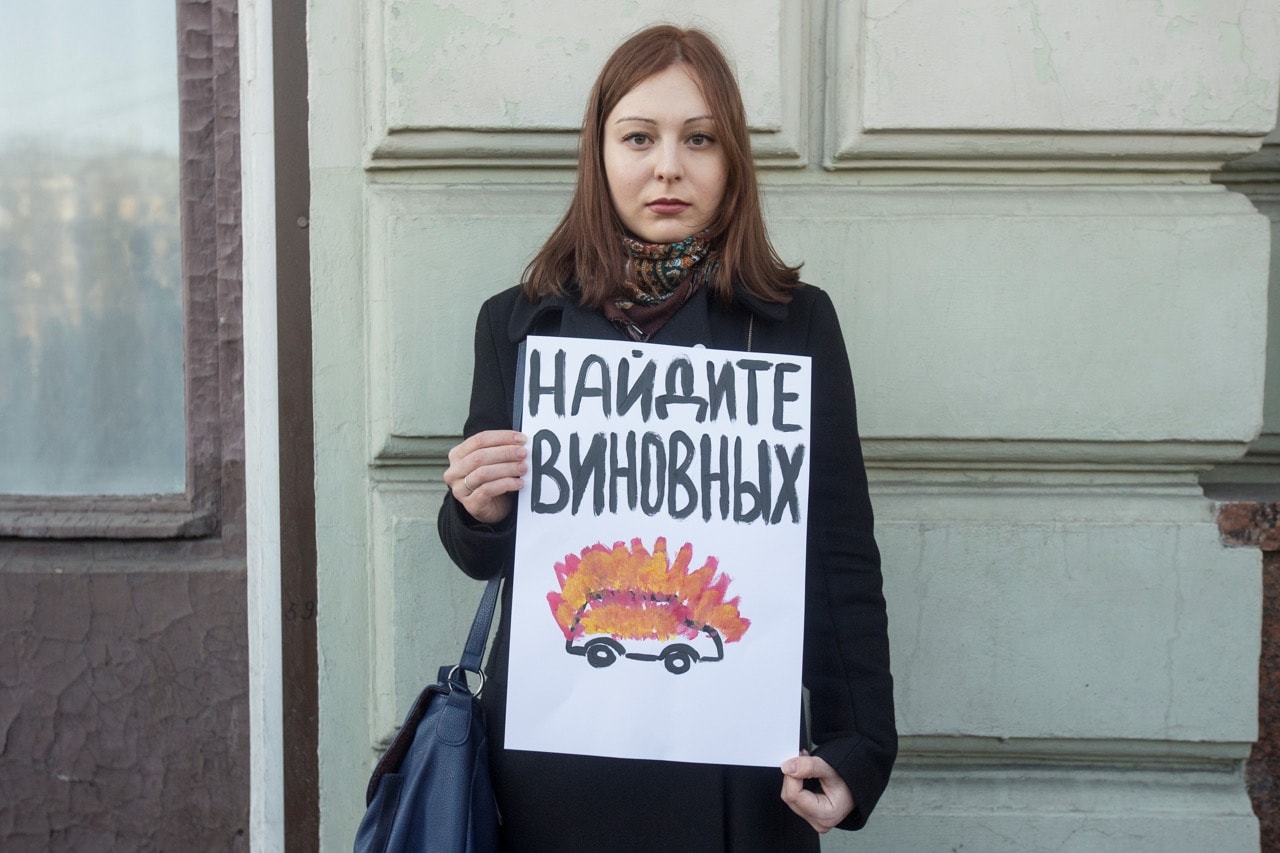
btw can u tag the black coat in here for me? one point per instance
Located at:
(566, 802)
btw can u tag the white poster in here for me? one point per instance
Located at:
(658, 596)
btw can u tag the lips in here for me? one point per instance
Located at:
(668, 206)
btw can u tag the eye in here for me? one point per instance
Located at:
(701, 140)
(636, 139)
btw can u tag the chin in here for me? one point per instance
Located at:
(666, 233)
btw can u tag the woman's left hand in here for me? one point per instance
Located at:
(823, 811)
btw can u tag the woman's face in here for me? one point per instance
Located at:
(665, 165)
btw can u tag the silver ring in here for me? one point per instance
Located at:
(458, 668)
(470, 488)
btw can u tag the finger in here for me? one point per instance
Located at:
(488, 474)
(804, 803)
(478, 459)
(797, 795)
(814, 810)
(491, 481)
(791, 788)
(822, 810)
(467, 464)
(488, 510)
(483, 439)
(486, 493)
(806, 766)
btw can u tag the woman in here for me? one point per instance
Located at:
(664, 241)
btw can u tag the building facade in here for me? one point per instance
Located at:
(1041, 287)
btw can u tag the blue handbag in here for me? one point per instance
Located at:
(431, 791)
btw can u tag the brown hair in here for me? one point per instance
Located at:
(585, 246)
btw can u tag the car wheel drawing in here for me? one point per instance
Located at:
(602, 651)
(678, 659)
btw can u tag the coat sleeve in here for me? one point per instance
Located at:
(846, 648)
(482, 550)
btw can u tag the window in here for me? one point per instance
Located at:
(109, 367)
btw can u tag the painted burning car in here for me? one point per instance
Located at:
(627, 602)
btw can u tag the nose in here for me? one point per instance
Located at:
(670, 166)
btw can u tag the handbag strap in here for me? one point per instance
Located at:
(473, 653)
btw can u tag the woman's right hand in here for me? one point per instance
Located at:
(485, 471)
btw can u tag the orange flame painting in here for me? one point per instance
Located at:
(627, 593)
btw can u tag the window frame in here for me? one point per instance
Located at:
(212, 364)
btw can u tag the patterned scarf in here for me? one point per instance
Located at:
(660, 278)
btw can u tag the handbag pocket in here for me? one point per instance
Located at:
(375, 829)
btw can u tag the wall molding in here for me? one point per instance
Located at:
(1029, 118)
(402, 132)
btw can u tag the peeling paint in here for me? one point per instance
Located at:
(1231, 42)
(1042, 52)
(1206, 107)
(124, 713)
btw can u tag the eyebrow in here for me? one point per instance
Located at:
(691, 120)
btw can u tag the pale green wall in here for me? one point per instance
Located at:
(1257, 176)
(1038, 321)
